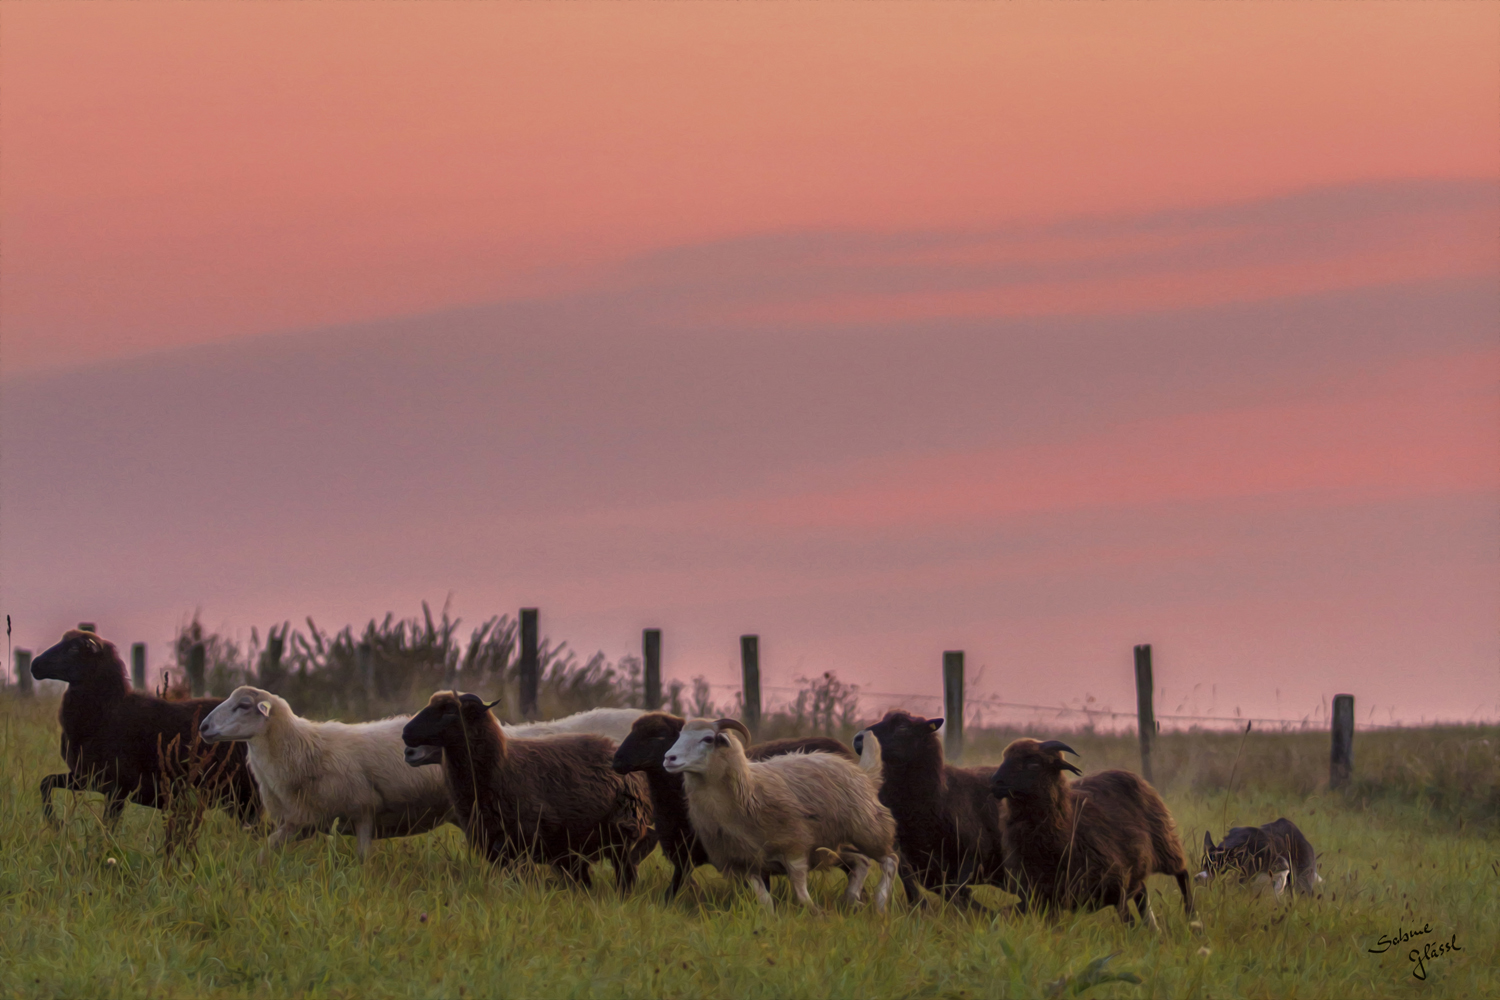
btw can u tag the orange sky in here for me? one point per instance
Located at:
(1033, 329)
(177, 172)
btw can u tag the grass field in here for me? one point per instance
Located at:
(1413, 845)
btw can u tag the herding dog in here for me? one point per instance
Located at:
(1277, 850)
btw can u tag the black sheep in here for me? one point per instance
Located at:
(113, 738)
(643, 751)
(948, 826)
(554, 799)
(1090, 844)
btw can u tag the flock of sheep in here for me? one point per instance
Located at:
(613, 784)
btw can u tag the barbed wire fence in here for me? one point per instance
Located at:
(990, 711)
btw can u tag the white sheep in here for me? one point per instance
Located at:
(785, 813)
(312, 775)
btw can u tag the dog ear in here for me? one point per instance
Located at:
(264, 706)
(933, 725)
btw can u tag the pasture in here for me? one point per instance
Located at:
(88, 911)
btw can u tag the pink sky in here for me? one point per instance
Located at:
(1054, 327)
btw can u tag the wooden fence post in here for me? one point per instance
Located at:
(750, 679)
(953, 704)
(651, 656)
(23, 672)
(270, 660)
(1145, 711)
(1341, 760)
(138, 666)
(530, 661)
(196, 668)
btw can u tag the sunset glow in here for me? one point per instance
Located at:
(790, 318)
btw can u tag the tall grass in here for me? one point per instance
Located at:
(423, 918)
(1451, 772)
(323, 674)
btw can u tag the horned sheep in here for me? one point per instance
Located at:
(555, 799)
(782, 814)
(1090, 844)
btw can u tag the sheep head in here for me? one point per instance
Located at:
(696, 746)
(1028, 765)
(244, 715)
(446, 721)
(645, 748)
(80, 657)
(906, 739)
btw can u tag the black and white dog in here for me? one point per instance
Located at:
(1277, 850)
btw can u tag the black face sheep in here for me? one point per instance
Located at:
(555, 799)
(1090, 844)
(1277, 850)
(114, 738)
(784, 814)
(948, 825)
(645, 750)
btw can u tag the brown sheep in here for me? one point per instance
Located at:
(948, 825)
(114, 739)
(1090, 844)
(554, 799)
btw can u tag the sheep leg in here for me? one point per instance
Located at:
(909, 884)
(680, 873)
(114, 805)
(796, 873)
(575, 868)
(859, 870)
(284, 831)
(1142, 900)
(624, 870)
(758, 883)
(364, 833)
(888, 867)
(961, 893)
(1185, 884)
(67, 781)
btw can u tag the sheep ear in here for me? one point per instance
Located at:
(720, 740)
(933, 725)
(1208, 841)
(1063, 765)
(264, 706)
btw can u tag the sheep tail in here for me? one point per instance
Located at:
(870, 761)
